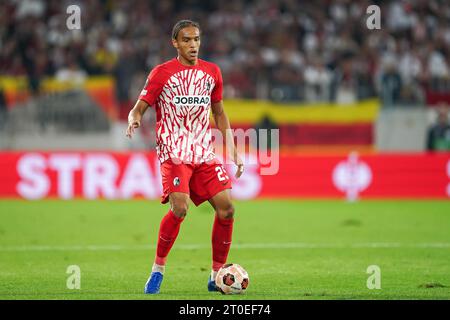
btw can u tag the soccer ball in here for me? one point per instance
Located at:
(232, 279)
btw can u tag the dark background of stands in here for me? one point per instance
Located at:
(283, 50)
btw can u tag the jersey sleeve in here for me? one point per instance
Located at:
(152, 88)
(216, 94)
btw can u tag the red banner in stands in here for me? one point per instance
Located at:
(322, 134)
(92, 175)
(327, 134)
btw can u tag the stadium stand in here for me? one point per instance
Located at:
(284, 51)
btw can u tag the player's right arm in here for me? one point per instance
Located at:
(152, 89)
(135, 117)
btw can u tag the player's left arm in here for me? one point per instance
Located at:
(223, 124)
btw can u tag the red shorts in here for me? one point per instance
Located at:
(200, 181)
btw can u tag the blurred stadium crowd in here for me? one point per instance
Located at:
(283, 50)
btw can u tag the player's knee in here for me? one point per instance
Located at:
(180, 209)
(227, 212)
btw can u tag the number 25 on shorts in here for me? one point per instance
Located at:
(221, 175)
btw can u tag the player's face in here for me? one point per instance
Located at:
(188, 44)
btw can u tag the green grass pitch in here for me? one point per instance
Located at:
(292, 249)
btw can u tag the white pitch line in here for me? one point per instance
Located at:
(291, 245)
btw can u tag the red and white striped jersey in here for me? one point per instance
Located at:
(182, 96)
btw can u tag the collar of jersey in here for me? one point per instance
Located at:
(196, 65)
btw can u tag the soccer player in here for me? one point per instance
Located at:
(183, 90)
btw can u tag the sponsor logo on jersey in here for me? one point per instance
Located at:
(191, 100)
(176, 181)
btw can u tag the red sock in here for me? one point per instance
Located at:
(168, 232)
(221, 241)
